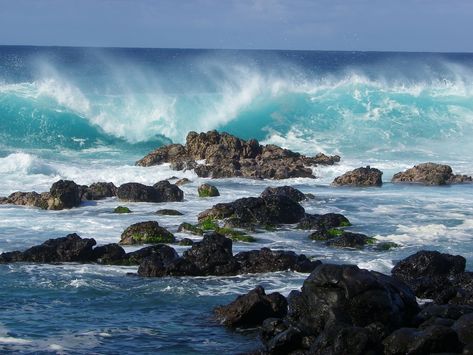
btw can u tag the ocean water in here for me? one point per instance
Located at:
(89, 114)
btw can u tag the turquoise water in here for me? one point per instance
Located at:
(89, 114)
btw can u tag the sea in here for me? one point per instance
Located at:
(87, 114)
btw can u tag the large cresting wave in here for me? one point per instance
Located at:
(380, 110)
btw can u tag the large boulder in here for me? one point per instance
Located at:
(71, 248)
(149, 232)
(360, 177)
(207, 190)
(64, 194)
(162, 191)
(252, 309)
(430, 174)
(169, 192)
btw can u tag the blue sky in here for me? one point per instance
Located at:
(410, 25)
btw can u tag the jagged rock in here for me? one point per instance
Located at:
(64, 194)
(71, 248)
(168, 192)
(430, 174)
(434, 339)
(252, 309)
(428, 273)
(288, 191)
(274, 209)
(99, 191)
(207, 190)
(168, 212)
(228, 156)
(146, 233)
(360, 177)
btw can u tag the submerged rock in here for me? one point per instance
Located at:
(207, 190)
(252, 309)
(168, 212)
(360, 177)
(228, 156)
(146, 233)
(430, 174)
(121, 209)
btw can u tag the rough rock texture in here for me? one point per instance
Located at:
(288, 191)
(162, 191)
(99, 191)
(207, 190)
(251, 211)
(437, 276)
(213, 256)
(146, 233)
(360, 177)
(71, 248)
(323, 221)
(252, 309)
(430, 174)
(228, 156)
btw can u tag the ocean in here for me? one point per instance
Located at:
(87, 114)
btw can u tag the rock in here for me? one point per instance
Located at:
(136, 192)
(168, 212)
(186, 242)
(252, 309)
(146, 233)
(446, 311)
(274, 209)
(325, 221)
(207, 190)
(189, 228)
(464, 328)
(213, 256)
(168, 192)
(434, 339)
(288, 191)
(167, 154)
(360, 177)
(430, 174)
(99, 191)
(350, 240)
(322, 159)
(33, 199)
(428, 273)
(121, 209)
(109, 254)
(71, 248)
(164, 252)
(228, 156)
(64, 194)
(267, 260)
(182, 181)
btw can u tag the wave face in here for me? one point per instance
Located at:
(383, 105)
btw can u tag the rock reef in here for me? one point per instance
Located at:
(228, 156)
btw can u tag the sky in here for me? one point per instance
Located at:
(384, 25)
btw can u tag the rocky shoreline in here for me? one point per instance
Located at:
(341, 309)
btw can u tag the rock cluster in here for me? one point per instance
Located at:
(213, 256)
(360, 177)
(228, 156)
(342, 309)
(430, 174)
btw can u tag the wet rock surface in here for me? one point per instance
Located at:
(287, 191)
(207, 190)
(228, 156)
(360, 177)
(162, 191)
(430, 174)
(149, 232)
